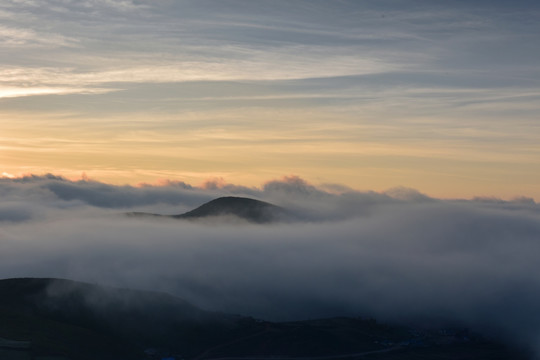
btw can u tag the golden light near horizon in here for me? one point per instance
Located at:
(333, 93)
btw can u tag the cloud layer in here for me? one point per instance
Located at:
(397, 255)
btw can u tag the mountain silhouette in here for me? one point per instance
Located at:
(251, 210)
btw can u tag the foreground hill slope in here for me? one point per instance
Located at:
(40, 318)
(85, 321)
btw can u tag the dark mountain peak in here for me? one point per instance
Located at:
(246, 208)
(251, 210)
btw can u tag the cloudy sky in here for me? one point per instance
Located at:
(317, 106)
(435, 95)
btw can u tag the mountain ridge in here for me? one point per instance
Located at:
(71, 320)
(244, 208)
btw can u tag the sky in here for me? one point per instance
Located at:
(438, 96)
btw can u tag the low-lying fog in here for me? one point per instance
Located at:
(395, 256)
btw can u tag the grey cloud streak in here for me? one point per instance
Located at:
(396, 256)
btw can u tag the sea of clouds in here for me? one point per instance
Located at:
(397, 256)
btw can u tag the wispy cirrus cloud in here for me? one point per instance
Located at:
(28, 38)
(13, 92)
(294, 63)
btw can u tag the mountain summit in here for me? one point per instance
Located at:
(245, 208)
(251, 210)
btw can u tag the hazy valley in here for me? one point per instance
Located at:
(451, 278)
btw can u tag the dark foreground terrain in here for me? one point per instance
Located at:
(51, 319)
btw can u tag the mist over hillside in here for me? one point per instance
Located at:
(64, 319)
(398, 256)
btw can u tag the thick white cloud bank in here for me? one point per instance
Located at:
(396, 256)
